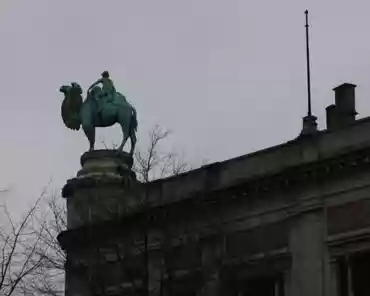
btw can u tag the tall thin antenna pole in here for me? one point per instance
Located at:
(309, 121)
(308, 67)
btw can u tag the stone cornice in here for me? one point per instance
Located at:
(349, 237)
(292, 179)
(125, 181)
(349, 243)
(309, 174)
(256, 258)
(287, 180)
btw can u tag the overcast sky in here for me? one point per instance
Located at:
(228, 77)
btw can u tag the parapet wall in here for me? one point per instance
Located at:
(301, 151)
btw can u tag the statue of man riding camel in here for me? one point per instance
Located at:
(103, 107)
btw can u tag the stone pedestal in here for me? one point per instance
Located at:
(102, 189)
(106, 163)
(102, 192)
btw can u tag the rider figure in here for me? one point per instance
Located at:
(109, 91)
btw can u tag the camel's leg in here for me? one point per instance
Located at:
(133, 141)
(90, 134)
(125, 133)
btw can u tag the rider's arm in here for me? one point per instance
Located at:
(95, 83)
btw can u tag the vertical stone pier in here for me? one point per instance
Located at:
(100, 193)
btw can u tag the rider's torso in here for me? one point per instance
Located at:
(108, 86)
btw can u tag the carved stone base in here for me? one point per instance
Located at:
(109, 162)
(102, 168)
(104, 188)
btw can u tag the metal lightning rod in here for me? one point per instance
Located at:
(308, 67)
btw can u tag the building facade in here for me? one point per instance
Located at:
(290, 220)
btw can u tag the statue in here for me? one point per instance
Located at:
(109, 91)
(103, 107)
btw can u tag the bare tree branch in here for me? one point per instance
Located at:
(153, 162)
(18, 259)
(49, 259)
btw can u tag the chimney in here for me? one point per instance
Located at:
(343, 112)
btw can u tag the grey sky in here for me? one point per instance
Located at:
(227, 76)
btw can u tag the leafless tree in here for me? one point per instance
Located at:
(19, 261)
(49, 222)
(155, 162)
(151, 163)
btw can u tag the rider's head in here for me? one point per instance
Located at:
(105, 74)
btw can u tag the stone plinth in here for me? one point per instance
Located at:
(102, 189)
(105, 163)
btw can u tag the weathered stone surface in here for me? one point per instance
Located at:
(349, 217)
(271, 212)
(102, 168)
(121, 157)
(308, 253)
(265, 238)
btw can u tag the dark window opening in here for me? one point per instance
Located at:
(353, 274)
(264, 286)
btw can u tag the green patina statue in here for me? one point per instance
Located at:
(103, 107)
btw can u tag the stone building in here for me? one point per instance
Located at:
(290, 220)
